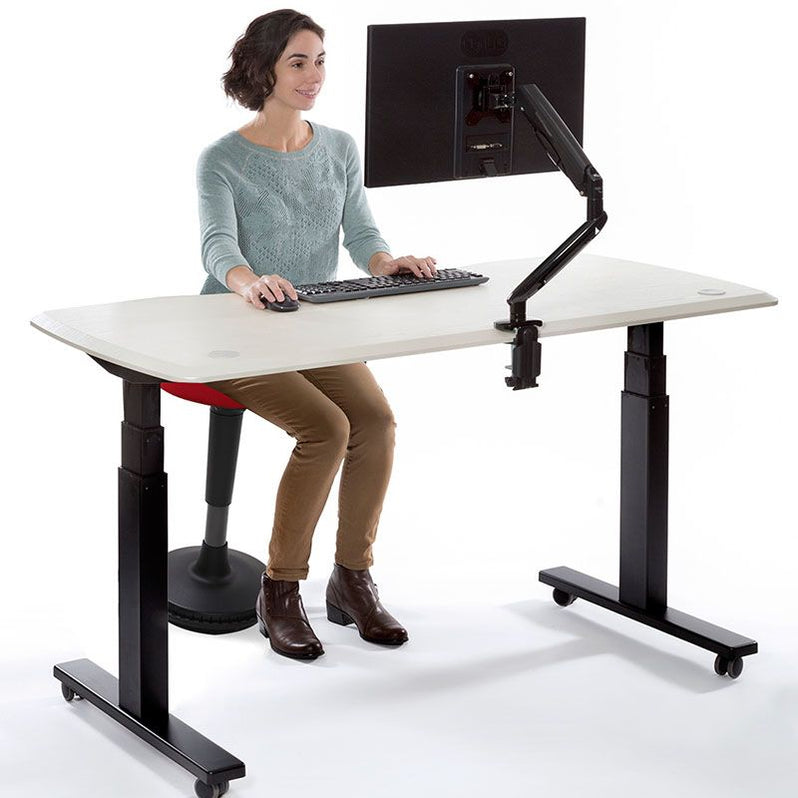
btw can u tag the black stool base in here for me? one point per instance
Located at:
(213, 599)
(212, 765)
(726, 644)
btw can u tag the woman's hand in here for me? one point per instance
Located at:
(421, 267)
(273, 287)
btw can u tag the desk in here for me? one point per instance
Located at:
(205, 338)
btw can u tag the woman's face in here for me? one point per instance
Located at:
(299, 71)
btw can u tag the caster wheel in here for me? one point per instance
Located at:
(562, 598)
(67, 692)
(728, 667)
(204, 790)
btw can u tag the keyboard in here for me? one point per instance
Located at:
(405, 283)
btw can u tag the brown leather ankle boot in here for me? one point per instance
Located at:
(281, 618)
(352, 598)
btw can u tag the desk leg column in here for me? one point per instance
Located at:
(642, 594)
(644, 471)
(143, 621)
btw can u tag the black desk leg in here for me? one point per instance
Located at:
(643, 583)
(139, 699)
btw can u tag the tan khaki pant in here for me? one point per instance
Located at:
(334, 413)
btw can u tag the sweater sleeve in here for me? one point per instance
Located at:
(217, 216)
(361, 236)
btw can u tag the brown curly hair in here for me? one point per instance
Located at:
(250, 79)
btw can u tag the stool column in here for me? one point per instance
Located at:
(224, 435)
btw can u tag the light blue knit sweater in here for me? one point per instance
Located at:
(281, 212)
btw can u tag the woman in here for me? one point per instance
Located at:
(272, 197)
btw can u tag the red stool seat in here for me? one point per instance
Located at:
(201, 393)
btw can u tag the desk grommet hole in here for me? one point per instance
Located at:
(711, 291)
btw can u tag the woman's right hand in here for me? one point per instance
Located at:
(271, 287)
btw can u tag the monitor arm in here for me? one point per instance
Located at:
(567, 155)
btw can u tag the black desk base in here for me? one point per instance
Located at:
(139, 699)
(729, 646)
(642, 594)
(213, 766)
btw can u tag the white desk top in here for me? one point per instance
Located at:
(214, 337)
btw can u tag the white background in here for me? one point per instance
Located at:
(689, 117)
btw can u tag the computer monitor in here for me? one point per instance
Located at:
(433, 89)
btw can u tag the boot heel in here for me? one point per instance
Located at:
(338, 616)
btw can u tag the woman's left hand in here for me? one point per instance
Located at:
(421, 267)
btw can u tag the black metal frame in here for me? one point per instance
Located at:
(139, 699)
(643, 583)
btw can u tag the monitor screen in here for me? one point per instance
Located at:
(434, 97)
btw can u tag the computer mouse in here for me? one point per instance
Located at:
(286, 305)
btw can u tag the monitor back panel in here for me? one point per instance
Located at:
(411, 90)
